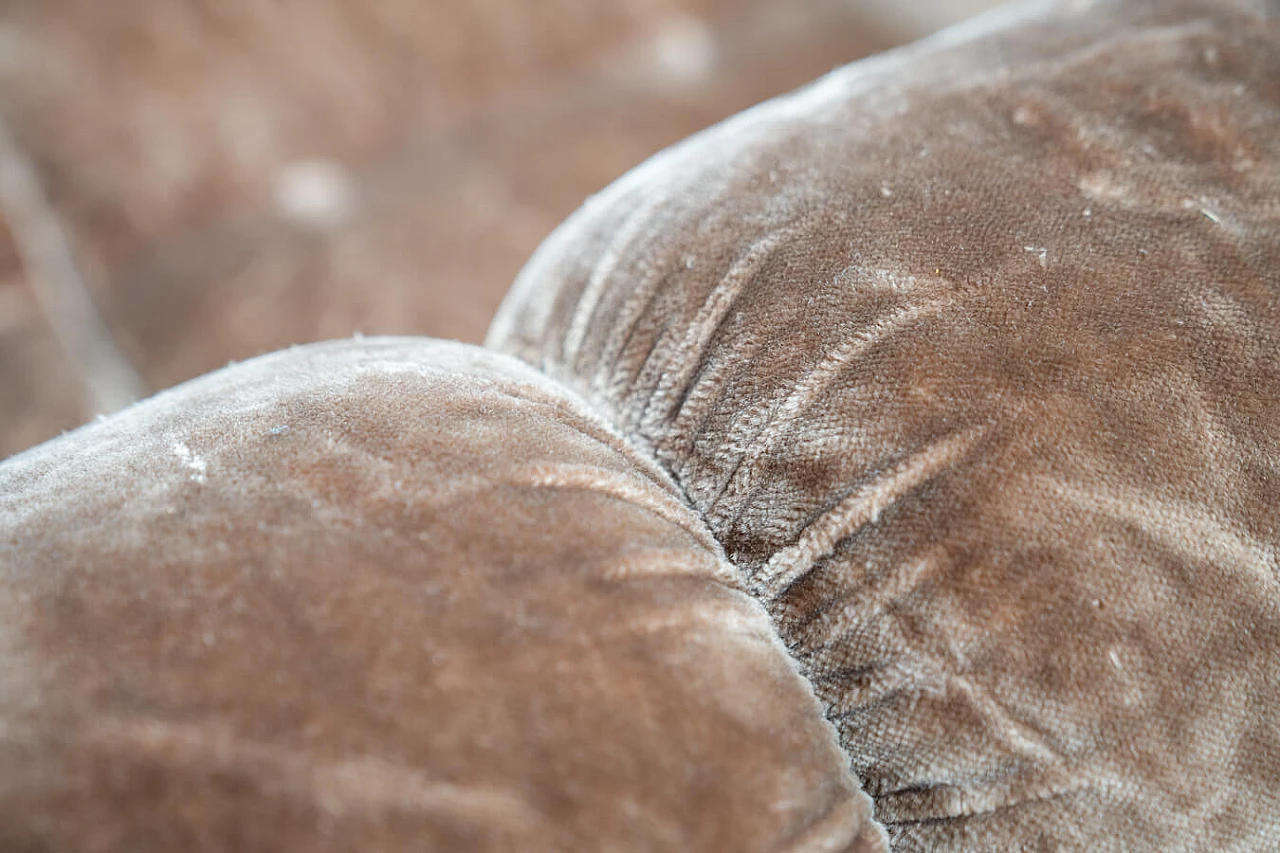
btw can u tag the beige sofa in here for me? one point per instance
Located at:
(893, 466)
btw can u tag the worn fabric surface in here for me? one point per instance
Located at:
(388, 595)
(949, 385)
(969, 356)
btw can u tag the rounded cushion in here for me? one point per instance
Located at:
(969, 356)
(388, 594)
(947, 389)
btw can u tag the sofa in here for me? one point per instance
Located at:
(894, 466)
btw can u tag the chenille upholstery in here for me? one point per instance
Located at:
(894, 466)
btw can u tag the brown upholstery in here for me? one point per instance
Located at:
(960, 367)
(394, 594)
(969, 356)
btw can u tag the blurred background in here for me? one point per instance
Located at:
(184, 183)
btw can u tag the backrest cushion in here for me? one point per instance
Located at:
(969, 356)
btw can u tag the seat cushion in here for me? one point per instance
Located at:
(969, 357)
(388, 594)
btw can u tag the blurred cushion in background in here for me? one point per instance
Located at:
(240, 176)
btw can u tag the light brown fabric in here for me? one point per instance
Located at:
(388, 595)
(960, 367)
(969, 355)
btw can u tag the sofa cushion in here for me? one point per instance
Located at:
(388, 594)
(969, 356)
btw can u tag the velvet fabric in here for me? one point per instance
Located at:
(969, 355)
(391, 594)
(894, 466)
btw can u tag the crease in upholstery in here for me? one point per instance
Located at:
(863, 602)
(616, 484)
(944, 803)
(766, 431)
(615, 251)
(861, 507)
(680, 364)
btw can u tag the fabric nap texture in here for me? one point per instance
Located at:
(969, 355)
(388, 595)
(894, 466)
